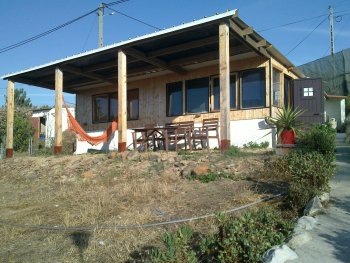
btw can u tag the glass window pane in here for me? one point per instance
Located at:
(216, 92)
(253, 89)
(113, 106)
(133, 104)
(276, 87)
(100, 108)
(287, 84)
(174, 99)
(197, 95)
(233, 91)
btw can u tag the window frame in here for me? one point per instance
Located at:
(212, 104)
(262, 69)
(93, 121)
(167, 101)
(109, 96)
(186, 96)
(279, 102)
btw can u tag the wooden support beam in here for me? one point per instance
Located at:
(154, 61)
(10, 117)
(224, 64)
(80, 72)
(122, 100)
(184, 46)
(58, 110)
(247, 39)
(261, 43)
(247, 31)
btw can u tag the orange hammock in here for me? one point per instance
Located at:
(75, 127)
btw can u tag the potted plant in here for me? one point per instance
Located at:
(287, 124)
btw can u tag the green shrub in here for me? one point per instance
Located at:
(276, 169)
(320, 138)
(209, 177)
(255, 145)
(310, 173)
(177, 248)
(22, 131)
(233, 151)
(243, 239)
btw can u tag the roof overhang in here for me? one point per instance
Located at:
(171, 50)
(335, 97)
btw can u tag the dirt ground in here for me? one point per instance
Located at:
(100, 189)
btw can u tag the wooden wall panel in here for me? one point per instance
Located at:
(152, 98)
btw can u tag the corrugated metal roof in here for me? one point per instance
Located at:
(127, 42)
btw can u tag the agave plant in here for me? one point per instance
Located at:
(286, 119)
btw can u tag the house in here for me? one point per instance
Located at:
(334, 73)
(43, 122)
(217, 66)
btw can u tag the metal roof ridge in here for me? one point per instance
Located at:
(122, 43)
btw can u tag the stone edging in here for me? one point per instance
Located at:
(301, 233)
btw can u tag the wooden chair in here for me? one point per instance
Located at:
(209, 130)
(142, 138)
(176, 132)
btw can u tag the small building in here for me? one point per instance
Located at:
(335, 108)
(335, 78)
(43, 122)
(215, 67)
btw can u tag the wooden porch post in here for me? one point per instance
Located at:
(10, 117)
(122, 100)
(224, 54)
(58, 110)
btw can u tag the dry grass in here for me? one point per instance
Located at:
(95, 190)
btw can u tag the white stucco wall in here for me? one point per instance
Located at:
(335, 108)
(242, 132)
(50, 124)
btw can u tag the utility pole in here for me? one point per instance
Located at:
(100, 25)
(331, 28)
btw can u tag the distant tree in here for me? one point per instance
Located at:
(22, 128)
(21, 99)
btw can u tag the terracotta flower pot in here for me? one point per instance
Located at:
(287, 137)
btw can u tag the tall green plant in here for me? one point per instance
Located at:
(286, 119)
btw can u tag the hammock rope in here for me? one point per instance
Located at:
(81, 135)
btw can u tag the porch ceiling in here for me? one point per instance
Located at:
(172, 50)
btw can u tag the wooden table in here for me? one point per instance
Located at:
(159, 133)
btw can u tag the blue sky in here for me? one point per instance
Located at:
(22, 19)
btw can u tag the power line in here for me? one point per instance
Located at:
(5, 49)
(292, 23)
(133, 18)
(301, 41)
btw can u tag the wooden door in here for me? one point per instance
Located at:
(309, 96)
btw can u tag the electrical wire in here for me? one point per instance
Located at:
(149, 225)
(306, 37)
(133, 18)
(28, 40)
(292, 23)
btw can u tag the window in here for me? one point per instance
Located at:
(253, 88)
(105, 107)
(287, 91)
(100, 108)
(174, 99)
(216, 93)
(276, 87)
(308, 92)
(133, 104)
(113, 106)
(197, 95)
